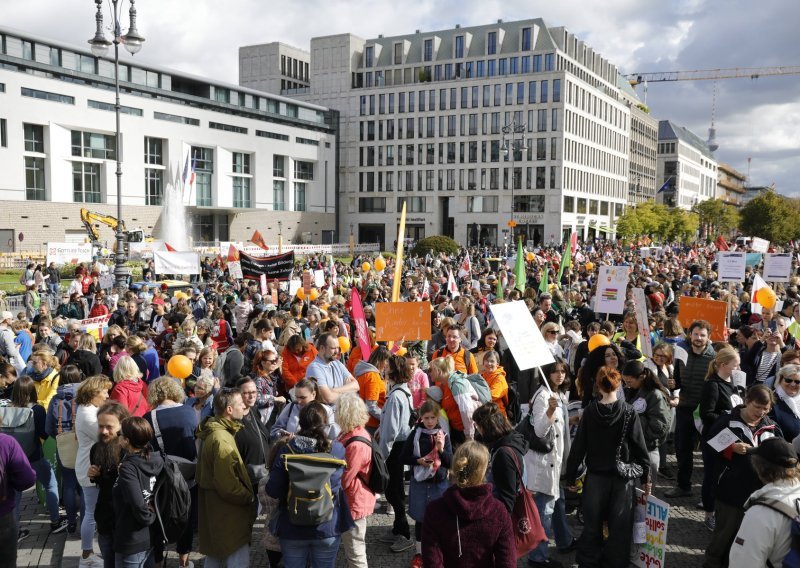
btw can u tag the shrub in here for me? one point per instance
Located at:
(435, 245)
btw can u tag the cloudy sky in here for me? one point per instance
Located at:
(757, 119)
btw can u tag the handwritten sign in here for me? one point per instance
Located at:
(642, 323)
(651, 514)
(612, 285)
(759, 245)
(521, 335)
(713, 311)
(396, 321)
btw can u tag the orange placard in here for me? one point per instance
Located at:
(713, 311)
(396, 321)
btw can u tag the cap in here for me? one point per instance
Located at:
(696, 278)
(6, 316)
(435, 393)
(196, 291)
(776, 451)
(30, 283)
(158, 301)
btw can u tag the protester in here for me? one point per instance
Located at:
(786, 411)
(130, 389)
(371, 386)
(16, 475)
(331, 375)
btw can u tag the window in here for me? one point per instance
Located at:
(491, 70)
(501, 67)
(55, 57)
(306, 141)
(204, 168)
(413, 204)
(554, 119)
(459, 47)
(273, 135)
(491, 43)
(303, 170)
(110, 107)
(543, 94)
(556, 90)
(299, 196)
(278, 166)
(427, 54)
(153, 151)
(3, 134)
(55, 97)
(581, 206)
(179, 119)
(482, 204)
(509, 93)
(154, 186)
(526, 39)
(520, 93)
(94, 145)
(569, 204)
(540, 177)
(86, 182)
(278, 200)
(368, 52)
(541, 120)
(222, 95)
(35, 189)
(529, 203)
(548, 61)
(34, 138)
(241, 163)
(398, 53)
(537, 63)
(372, 205)
(227, 127)
(241, 192)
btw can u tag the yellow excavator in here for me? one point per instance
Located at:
(90, 217)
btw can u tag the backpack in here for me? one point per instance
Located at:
(792, 558)
(468, 356)
(413, 415)
(310, 498)
(481, 388)
(513, 407)
(18, 423)
(379, 474)
(171, 501)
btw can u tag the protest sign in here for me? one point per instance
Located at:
(176, 262)
(95, 327)
(713, 311)
(319, 278)
(612, 283)
(753, 258)
(277, 267)
(651, 517)
(731, 266)
(69, 253)
(642, 323)
(144, 250)
(777, 267)
(759, 245)
(263, 284)
(521, 335)
(395, 321)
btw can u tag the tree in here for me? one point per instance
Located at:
(716, 216)
(771, 216)
(435, 245)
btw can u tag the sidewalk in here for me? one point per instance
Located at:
(687, 537)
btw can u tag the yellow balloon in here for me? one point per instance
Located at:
(766, 297)
(529, 257)
(344, 344)
(589, 266)
(380, 263)
(314, 294)
(301, 294)
(179, 366)
(598, 340)
(365, 267)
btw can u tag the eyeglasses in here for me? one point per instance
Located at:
(271, 361)
(551, 332)
(792, 381)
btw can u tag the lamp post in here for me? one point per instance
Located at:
(352, 241)
(513, 142)
(280, 237)
(133, 43)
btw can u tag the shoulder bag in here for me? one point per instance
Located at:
(67, 442)
(542, 445)
(627, 470)
(525, 521)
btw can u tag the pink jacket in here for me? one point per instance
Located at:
(359, 465)
(418, 385)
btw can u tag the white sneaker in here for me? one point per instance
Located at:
(93, 561)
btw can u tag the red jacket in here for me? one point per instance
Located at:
(358, 456)
(133, 395)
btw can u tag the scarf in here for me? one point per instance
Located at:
(423, 472)
(40, 376)
(791, 401)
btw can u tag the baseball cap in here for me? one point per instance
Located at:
(6, 316)
(158, 301)
(776, 451)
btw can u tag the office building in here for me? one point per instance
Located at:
(731, 185)
(687, 170)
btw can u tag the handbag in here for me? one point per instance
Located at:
(258, 471)
(67, 442)
(542, 445)
(627, 470)
(525, 521)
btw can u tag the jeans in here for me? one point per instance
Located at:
(606, 498)
(396, 491)
(239, 558)
(554, 521)
(685, 438)
(71, 493)
(8, 539)
(355, 544)
(90, 495)
(106, 544)
(136, 560)
(47, 477)
(320, 552)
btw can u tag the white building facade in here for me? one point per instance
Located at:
(258, 158)
(422, 119)
(687, 169)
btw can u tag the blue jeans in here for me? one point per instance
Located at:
(70, 492)
(136, 560)
(554, 521)
(239, 558)
(90, 495)
(106, 544)
(47, 477)
(321, 552)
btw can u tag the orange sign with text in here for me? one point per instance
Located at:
(398, 321)
(713, 311)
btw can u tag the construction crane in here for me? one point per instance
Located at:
(90, 217)
(711, 74)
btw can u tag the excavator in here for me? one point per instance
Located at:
(90, 217)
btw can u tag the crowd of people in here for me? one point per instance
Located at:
(285, 412)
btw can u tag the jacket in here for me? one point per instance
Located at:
(654, 415)
(86, 431)
(358, 456)
(544, 470)
(278, 487)
(736, 478)
(691, 376)
(294, 368)
(425, 441)
(394, 418)
(785, 416)
(86, 361)
(751, 361)
(598, 436)
(133, 395)
(133, 494)
(765, 534)
(503, 469)
(45, 384)
(19, 475)
(460, 401)
(65, 399)
(464, 360)
(224, 490)
(715, 400)
(177, 424)
(498, 387)
(372, 390)
(468, 528)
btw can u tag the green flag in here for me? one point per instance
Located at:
(543, 285)
(499, 293)
(794, 329)
(565, 261)
(519, 269)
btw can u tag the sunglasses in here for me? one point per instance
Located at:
(271, 361)
(792, 381)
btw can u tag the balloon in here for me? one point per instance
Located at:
(344, 344)
(380, 263)
(589, 266)
(766, 297)
(598, 340)
(365, 267)
(314, 294)
(301, 294)
(530, 256)
(179, 366)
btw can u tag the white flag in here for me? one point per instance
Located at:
(452, 289)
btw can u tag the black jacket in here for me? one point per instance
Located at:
(86, 361)
(252, 440)
(505, 477)
(715, 400)
(133, 493)
(101, 455)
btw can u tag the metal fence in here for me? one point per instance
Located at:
(16, 304)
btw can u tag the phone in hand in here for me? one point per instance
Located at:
(428, 461)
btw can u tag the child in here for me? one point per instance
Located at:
(419, 380)
(435, 394)
(427, 449)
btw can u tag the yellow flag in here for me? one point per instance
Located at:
(398, 267)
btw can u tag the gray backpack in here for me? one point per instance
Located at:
(18, 423)
(310, 498)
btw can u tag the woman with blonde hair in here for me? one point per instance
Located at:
(130, 389)
(468, 527)
(467, 319)
(135, 347)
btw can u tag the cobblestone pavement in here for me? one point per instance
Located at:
(686, 538)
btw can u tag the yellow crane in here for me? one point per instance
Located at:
(89, 218)
(711, 74)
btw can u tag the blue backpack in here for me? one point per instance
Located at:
(792, 558)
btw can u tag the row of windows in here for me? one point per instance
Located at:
(492, 95)
(541, 177)
(590, 206)
(590, 103)
(475, 204)
(294, 68)
(592, 131)
(596, 184)
(594, 158)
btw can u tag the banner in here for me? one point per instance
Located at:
(362, 333)
(731, 266)
(176, 262)
(96, 327)
(144, 250)
(521, 335)
(69, 253)
(651, 517)
(612, 284)
(402, 321)
(278, 267)
(777, 267)
(642, 323)
(252, 250)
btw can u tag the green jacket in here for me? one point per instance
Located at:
(226, 504)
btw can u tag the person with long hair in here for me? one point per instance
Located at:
(607, 497)
(371, 386)
(316, 544)
(265, 373)
(486, 344)
(85, 356)
(468, 527)
(604, 356)
(44, 372)
(297, 356)
(495, 376)
(105, 458)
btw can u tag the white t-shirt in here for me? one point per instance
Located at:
(86, 432)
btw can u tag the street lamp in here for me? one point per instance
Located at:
(280, 237)
(513, 142)
(352, 241)
(133, 43)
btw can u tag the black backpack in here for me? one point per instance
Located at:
(171, 501)
(513, 409)
(379, 474)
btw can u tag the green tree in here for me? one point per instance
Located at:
(678, 225)
(716, 216)
(771, 216)
(435, 245)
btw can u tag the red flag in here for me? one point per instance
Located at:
(362, 333)
(233, 254)
(721, 244)
(258, 240)
(169, 248)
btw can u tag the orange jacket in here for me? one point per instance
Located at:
(450, 407)
(372, 387)
(498, 387)
(356, 356)
(294, 367)
(468, 366)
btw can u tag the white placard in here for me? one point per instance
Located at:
(739, 378)
(723, 440)
(521, 334)
(319, 278)
(777, 267)
(651, 516)
(176, 262)
(680, 354)
(69, 253)
(731, 266)
(144, 250)
(294, 286)
(759, 245)
(235, 269)
(612, 285)
(642, 323)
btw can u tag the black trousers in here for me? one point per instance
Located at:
(396, 491)
(606, 498)
(685, 439)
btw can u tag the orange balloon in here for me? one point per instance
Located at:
(589, 267)
(529, 257)
(598, 340)
(380, 263)
(301, 294)
(365, 267)
(179, 366)
(766, 297)
(344, 344)
(314, 294)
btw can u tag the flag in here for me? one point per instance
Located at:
(665, 186)
(499, 292)
(758, 283)
(566, 260)
(721, 244)
(794, 329)
(258, 240)
(185, 175)
(426, 289)
(452, 289)
(466, 268)
(170, 248)
(360, 321)
(519, 268)
(193, 173)
(233, 254)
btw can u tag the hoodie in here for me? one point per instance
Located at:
(468, 528)
(64, 400)
(372, 391)
(87, 362)
(46, 384)
(132, 495)
(133, 395)
(506, 474)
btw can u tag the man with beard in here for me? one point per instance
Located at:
(689, 378)
(330, 373)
